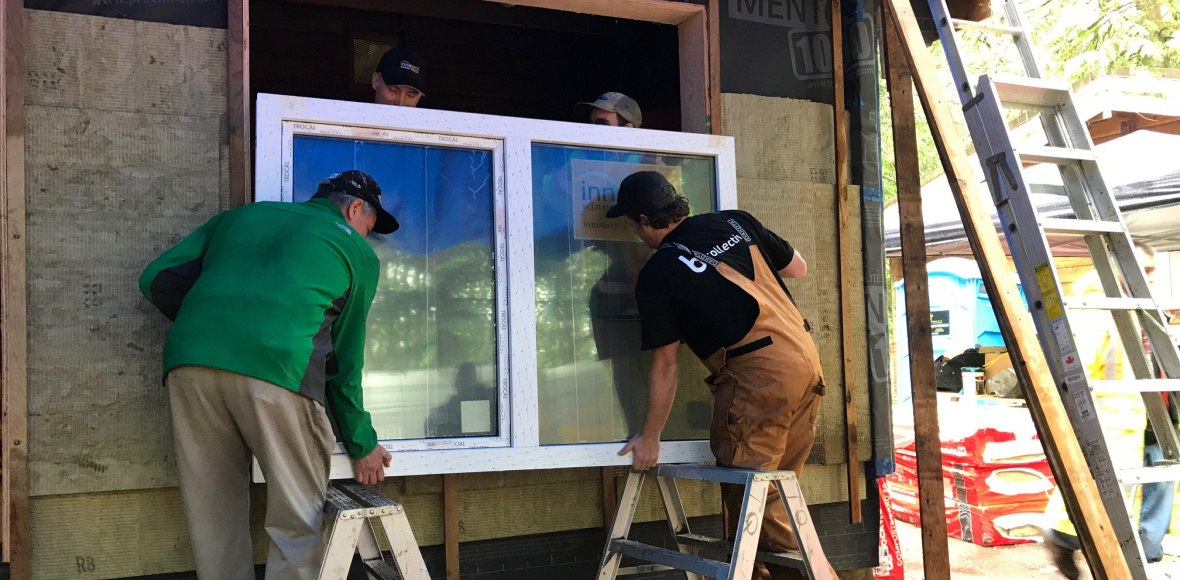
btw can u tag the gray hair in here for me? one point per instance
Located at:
(343, 200)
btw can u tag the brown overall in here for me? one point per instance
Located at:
(767, 390)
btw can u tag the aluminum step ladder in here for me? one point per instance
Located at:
(701, 556)
(357, 517)
(1097, 220)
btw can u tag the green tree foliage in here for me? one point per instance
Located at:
(1075, 40)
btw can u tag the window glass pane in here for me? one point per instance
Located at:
(430, 358)
(592, 375)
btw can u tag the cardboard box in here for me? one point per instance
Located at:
(995, 360)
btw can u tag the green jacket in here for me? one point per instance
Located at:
(278, 292)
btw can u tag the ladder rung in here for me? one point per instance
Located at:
(791, 559)
(1030, 92)
(1154, 474)
(1137, 385)
(718, 474)
(1108, 303)
(383, 570)
(1079, 227)
(1054, 155)
(984, 27)
(1047, 189)
(677, 560)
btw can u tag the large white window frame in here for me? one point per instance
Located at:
(511, 140)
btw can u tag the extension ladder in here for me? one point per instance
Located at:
(693, 548)
(355, 514)
(1097, 219)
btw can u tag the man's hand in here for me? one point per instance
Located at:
(370, 469)
(644, 450)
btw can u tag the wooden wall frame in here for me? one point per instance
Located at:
(700, 90)
(14, 479)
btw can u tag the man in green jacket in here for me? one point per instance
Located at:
(269, 302)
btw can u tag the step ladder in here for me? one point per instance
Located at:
(357, 517)
(1097, 220)
(701, 556)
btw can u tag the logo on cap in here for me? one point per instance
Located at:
(406, 65)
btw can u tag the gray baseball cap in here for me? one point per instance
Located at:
(619, 103)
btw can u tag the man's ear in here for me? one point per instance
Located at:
(643, 221)
(376, 81)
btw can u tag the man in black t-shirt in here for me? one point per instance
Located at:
(715, 283)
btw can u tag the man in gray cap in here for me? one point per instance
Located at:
(613, 109)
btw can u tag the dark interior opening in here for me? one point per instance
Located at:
(481, 57)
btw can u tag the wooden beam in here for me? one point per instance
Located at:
(610, 497)
(13, 377)
(662, 11)
(451, 524)
(848, 338)
(694, 74)
(14, 475)
(1065, 456)
(241, 152)
(715, 67)
(935, 548)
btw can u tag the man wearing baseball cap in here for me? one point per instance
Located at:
(614, 109)
(400, 78)
(268, 303)
(715, 283)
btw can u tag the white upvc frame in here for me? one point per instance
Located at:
(513, 177)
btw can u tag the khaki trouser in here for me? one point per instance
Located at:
(219, 420)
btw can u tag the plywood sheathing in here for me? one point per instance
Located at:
(786, 177)
(124, 157)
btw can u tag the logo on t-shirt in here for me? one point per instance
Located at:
(343, 228)
(693, 264)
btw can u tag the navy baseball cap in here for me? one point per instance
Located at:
(362, 186)
(401, 66)
(642, 192)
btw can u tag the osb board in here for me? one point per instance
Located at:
(107, 191)
(781, 139)
(805, 215)
(116, 64)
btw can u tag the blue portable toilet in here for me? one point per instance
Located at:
(961, 315)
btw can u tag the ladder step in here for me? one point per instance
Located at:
(1047, 189)
(1072, 227)
(382, 570)
(1108, 303)
(1030, 92)
(724, 548)
(655, 555)
(1054, 155)
(1161, 471)
(1137, 386)
(984, 27)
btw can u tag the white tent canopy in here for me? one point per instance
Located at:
(1142, 169)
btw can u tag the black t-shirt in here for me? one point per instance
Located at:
(690, 301)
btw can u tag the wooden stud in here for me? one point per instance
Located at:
(1064, 453)
(935, 549)
(848, 340)
(451, 524)
(714, 16)
(14, 475)
(240, 151)
(694, 74)
(610, 497)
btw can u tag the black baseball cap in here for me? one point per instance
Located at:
(642, 192)
(362, 186)
(401, 66)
